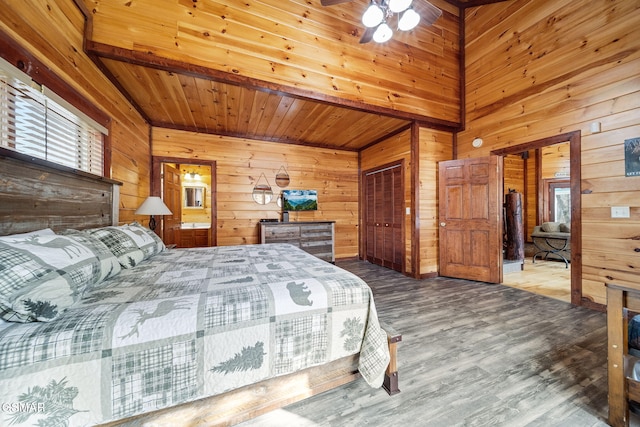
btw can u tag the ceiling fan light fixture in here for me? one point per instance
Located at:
(397, 6)
(383, 33)
(409, 20)
(373, 15)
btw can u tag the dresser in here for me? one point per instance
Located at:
(315, 237)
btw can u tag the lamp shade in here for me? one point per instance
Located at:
(153, 206)
(409, 20)
(383, 33)
(397, 6)
(372, 16)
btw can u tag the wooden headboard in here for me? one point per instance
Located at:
(36, 195)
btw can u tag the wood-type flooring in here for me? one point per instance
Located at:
(472, 354)
(548, 278)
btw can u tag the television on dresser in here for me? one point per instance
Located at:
(299, 200)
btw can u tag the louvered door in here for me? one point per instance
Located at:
(384, 217)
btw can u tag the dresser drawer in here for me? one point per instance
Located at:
(315, 238)
(280, 233)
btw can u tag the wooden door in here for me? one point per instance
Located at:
(470, 218)
(372, 222)
(384, 195)
(172, 197)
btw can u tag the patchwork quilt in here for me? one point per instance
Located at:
(182, 325)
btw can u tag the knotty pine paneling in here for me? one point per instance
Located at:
(296, 44)
(556, 161)
(514, 174)
(393, 149)
(196, 104)
(514, 179)
(531, 199)
(58, 43)
(538, 68)
(240, 164)
(434, 146)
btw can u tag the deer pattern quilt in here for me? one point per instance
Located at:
(186, 324)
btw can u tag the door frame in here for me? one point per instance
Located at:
(575, 139)
(156, 184)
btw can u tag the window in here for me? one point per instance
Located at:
(558, 200)
(561, 203)
(37, 122)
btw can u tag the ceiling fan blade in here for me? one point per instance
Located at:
(368, 35)
(332, 2)
(428, 12)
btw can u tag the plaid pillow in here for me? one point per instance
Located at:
(159, 244)
(43, 275)
(131, 244)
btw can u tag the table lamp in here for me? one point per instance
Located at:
(153, 206)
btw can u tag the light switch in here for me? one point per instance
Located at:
(620, 212)
(408, 211)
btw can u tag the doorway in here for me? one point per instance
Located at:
(574, 140)
(188, 187)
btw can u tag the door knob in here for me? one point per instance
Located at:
(443, 224)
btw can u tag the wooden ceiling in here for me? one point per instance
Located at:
(180, 93)
(179, 101)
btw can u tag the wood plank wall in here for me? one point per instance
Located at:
(538, 68)
(555, 159)
(390, 150)
(299, 45)
(434, 146)
(514, 179)
(241, 163)
(532, 195)
(58, 43)
(514, 174)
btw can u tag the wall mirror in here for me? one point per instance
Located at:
(194, 197)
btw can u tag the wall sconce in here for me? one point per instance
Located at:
(153, 206)
(477, 142)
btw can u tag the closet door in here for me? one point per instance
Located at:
(370, 219)
(383, 217)
(397, 218)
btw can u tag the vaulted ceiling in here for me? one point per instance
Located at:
(180, 73)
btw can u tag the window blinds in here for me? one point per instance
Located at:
(37, 122)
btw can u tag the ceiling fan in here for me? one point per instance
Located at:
(377, 16)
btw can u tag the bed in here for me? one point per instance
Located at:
(139, 330)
